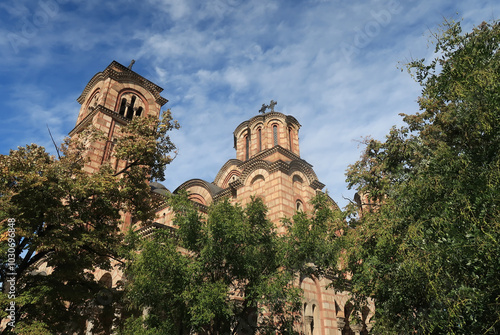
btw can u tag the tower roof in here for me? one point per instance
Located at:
(122, 73)
(265, 117)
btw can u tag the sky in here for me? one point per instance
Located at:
(337, 66)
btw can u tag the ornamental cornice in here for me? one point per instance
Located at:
(279, 166)
(254, 164)
(236, 184)
(304, 167)
(147, 231)
(317, 185)
(224, 168)
(288, 119)
(88, 119)
(226, 193)
(123, 74)
(276, 149)
(210, 187)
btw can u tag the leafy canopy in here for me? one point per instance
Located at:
(217, 274)
(67, 221)
(427, 245)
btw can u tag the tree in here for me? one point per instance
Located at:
(427, 245)
(222, 273)
(54, 212)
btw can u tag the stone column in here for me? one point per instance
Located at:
(369, 327)
(90, 326)
(340, 325)
(357, 328)
(308, 320)
(116, 320)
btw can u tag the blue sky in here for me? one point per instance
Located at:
(334, 65)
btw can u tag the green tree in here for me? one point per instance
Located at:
(70, 220)
(216, 275)
(426, 246)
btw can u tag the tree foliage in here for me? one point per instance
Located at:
(217, 274)
(69, 220)
(426, 246)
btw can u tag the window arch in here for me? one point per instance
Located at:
(247, 147)
(138, 112)
(93, 101)
(299, 206)
(257, 178)
(123, 106)
(197, 198)
(259, 139)
(275, 134)
(130, 104)
(130, 109)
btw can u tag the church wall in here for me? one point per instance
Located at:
(285, 182)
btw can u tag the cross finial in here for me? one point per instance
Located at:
(262, 110)
(272, 104)
(131, 64)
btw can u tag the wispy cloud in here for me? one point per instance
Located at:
(331, 64)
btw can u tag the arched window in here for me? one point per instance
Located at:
(275, 134)
(259, 139)
(313, 329)
(138, 112)
(131, 105)
(299, 206)
(130, 109)
(290, 138)
(123, 106)
(247, 147)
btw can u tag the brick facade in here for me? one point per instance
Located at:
(267, 165)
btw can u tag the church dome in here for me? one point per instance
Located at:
(158, 188)
(265, 131)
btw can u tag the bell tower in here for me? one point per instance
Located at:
(110, 100)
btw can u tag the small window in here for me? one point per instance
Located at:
(130, 109)
(275, 134)
(259, 139)
(123, 106)
(247, 147)
(138, 112)
(290, 138)
(299, 206)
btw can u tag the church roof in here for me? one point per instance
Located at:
(158, 188)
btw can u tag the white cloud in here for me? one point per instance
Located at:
(219, 60)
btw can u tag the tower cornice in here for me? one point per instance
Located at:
(88, 119)
(120, 73)
(262, 118)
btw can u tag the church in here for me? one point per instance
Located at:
(267, 164)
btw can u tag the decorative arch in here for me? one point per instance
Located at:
(106, 280)
(297, 182)
(312, 309)
(230, 167)
(93, 100)
(304, 168)
(258, 138)
(204, 189)
(131, 103)
(363, 316)
(299, 205)
(197, 198)
(121, 88)
(230, 177)
(249, 169)
(276, 134)
(257, 178)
